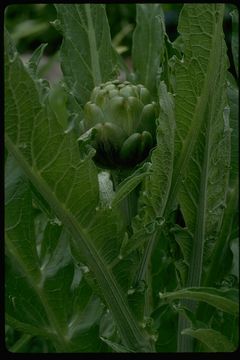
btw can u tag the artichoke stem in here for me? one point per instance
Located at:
(128, 206)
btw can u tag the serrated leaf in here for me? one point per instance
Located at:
(148, 35)
(159, 182)
(40, 298)
(67, 316)
(215, 341)
(157, 185)
(87, 56)
(229, 229)
(202, 144)
(153, 198)
(50, 159)
(19, 220)
(223, 299)
(57, 102)
(196, 75)
(35, 58)
(219, 263)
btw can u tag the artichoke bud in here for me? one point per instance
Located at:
(124, 119)
(148, 118)
(110, 134)
(115, 110)
(92, 115)
(129, 150)
(135, 148)
(110, 87)
(133, 110)
(146, 143)
(144, 95)
(107, 141)
(113, 93)
(128, 90)
(95, 93)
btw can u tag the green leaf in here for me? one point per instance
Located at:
(229, 229)
(87, 56)
(130, 183)
(33, 67)
(203, 65)
(184, 240)
(202, 144)
(35, 302)
(154, 197)
(148, 35)
(219, 264)
(215, 341)
(235, 37)
(159, 183)
(233, 101)
(223, 299)
(33, 62)
(234, 246)
(50, 159)
(67, 314)
(19, 221)
(165, 320)
(57, 103)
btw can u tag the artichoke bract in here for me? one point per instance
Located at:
(124, 119)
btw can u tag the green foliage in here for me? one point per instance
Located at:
(88, 65)
(148, 35)
(214, 340)
(89, 249)
(223, 299)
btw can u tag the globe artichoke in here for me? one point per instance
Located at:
(123, 117)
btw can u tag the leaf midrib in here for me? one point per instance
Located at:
(195, 268)
(97, 78)
(131, 333)
(36, 285)
(197, 121)
(188, 293)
